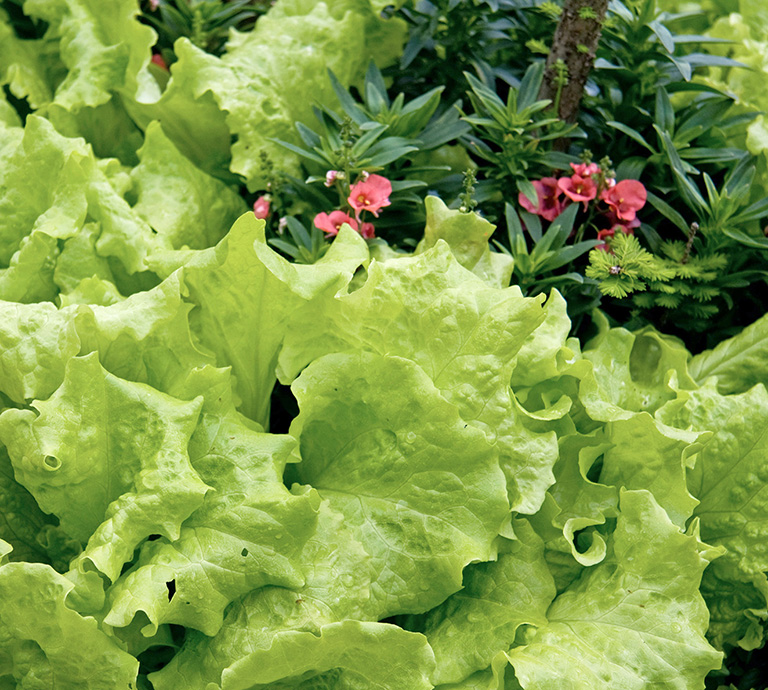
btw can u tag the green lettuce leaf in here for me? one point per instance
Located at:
(468, 235)
(739, 362)
(45, 644)
(29, 67)
(635, 621)
(730, 480)
(36, 341)
(471, 627)
(541, 355)
(248, 83)
(344, 655)
(576, 503)
(52, 185)
(463, 333)
(44, 185)
(338, 587)
(421, 488)
(9, 118)
(30, 274)
(245, 294)
(660, 468)
(21, 520)
(190, 116)
(145, 338)
(104, 48)
(109, 458)
(79, 261)
(248, 533)
(180, 202)
(632, 373)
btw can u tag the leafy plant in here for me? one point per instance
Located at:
(307, 245)
(447, 37)
(405, 376)
(512, 137)
(205, 22)
(535, 269)
(690, 282)
(378, 134)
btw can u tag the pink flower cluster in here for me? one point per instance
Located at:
(330, 224)
(587, 183)
(370, 193)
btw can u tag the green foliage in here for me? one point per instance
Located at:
(514, 137)
(447, 38)
(627, 267)
(374, 134)
(306, 246)
(687, 287)
(684, 139)
(461, 495)
(536, 270)
(204, 22)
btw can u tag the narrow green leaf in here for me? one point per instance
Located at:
(631, 133)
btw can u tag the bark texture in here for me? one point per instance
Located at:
(575, 42)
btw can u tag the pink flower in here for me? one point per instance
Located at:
(261, 207)
(153, 5)
(627, 226)
(585, 169)
(625, 198)
(158, 60)
(331, 176)
(549, 207)
(578, 188)
(603, 235)
(370, 194)
(330, 223)
(368, 231)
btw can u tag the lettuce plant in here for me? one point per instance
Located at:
(463, 496)
(460, 499)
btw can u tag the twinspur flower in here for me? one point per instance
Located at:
(625, 198)
(331, 176)
(578, 188)
(330, 223)
(585, 169)
(261, 206)
(548, 192)
(370, 194)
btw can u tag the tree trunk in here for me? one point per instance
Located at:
(575, 42)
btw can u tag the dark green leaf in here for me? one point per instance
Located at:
(528, 190)
(567, 254)
(347, 102)
(528, 92)
(743, 238)
(532, 225)
(366, 141)
(688, 189)
(668, 212)
(374, 79)
(631, 133)
(302, 152)
(665, 113)
(663, 34)
(298, 232)
(558, 232)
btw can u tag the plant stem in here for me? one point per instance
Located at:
(574, 44)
